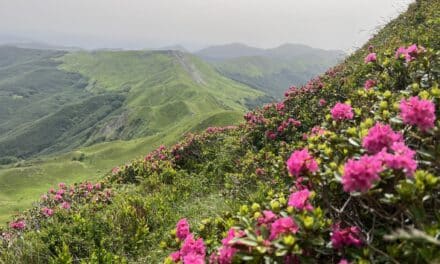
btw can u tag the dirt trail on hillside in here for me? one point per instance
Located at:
(189, 67)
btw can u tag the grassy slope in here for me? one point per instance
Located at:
(157, 90)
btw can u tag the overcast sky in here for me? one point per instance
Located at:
(330, 24)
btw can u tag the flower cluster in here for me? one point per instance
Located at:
(192, 251)
(389, 152)
(418, 112)
(18, 225)
(409, 53)
(369, 84)
(300, 200)
(371, 57)
(342, 111)
(359, 175)
(380, 136)
(300, 162)
(349, 236)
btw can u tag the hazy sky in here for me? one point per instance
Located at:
(331, 24)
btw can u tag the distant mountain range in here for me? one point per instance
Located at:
(270, 70)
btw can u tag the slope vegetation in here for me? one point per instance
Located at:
(344, 169)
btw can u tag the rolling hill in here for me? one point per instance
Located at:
(72, 116)
(270, 70)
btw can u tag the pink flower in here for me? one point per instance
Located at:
(322, 102)
(402, 53)
(18, 225)
(192, 246)
(98, 186)
(60, 192)
(359, 175)
(62, 185)
(418, 112)
(47, 211)
(226, 255)
(44, 197)
(345, 237)
(402, 159)
(408, 53)
(182, 229)
(65, 205)
(175, 256)
(58, 197)
(227, 252)
(282, 226)
(344, 261)
(370, 57)
(116, 170)
(369, 84)
(267, 218)
(271, 135)
(193, 259)
(342, 111)
(299, 200)
(300, 162)
(280, 106)
(380, 136)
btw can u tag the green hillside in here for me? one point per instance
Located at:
(116, 106)
(344, 170)
(272, 71)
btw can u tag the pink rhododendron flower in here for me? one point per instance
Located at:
(65, 205)
(409, 53)
(271, 135)
(345, 237)
(60, 192)
(192, 246)
(342, 111)
(193, 259)
(47, 211)
(227, 252)
(175, 256)
(116, 170)
(182, 229)
(370, 57)
(359, 175)
(322, 102)
(18, 225)
(300, 200)
(62, 185)
(300, 162)
(380, 136)
(418, 112)
(226, 255)
(344, 261)
(402, 159)
(267, 218)
(369, 84)
(58, 197)
(282, 226)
